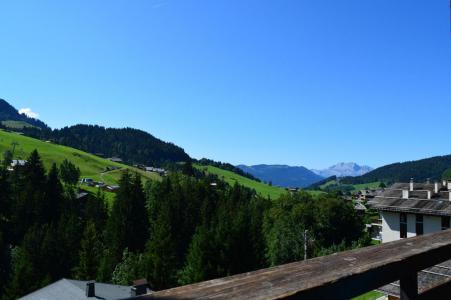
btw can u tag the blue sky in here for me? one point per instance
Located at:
(300, 82)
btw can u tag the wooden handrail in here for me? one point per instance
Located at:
(338, 276)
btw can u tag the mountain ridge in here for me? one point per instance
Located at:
(10, 113)
(283, 175)
(133, 146)
(350, 169)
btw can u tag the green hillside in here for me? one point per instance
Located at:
(333, 185)
(90, 165)
(263, 189)
(16, 124)
(231, 178)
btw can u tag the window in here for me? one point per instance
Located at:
(445, 223)
(403, 225)
(419, 224)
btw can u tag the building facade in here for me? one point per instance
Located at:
(411, 209)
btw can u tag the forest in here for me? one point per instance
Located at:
(187, 228)
(133, 146)
(434, 168)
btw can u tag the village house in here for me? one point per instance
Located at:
(412, 209)
(16, 163)
(115, 159)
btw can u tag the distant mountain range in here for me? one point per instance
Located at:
(289, 176)
(282, 175)
(343, 170)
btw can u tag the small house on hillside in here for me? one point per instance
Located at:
(16, 163)
(115, 159)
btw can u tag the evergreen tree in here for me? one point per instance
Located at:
(90, 254)
(161, 253)
(188, 169)
(28, 193)
(33, 263)
(127, 226)
(50, 207)
(70, 174)
(7, 158)
(201, 264)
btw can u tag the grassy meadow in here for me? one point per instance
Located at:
(90, 165)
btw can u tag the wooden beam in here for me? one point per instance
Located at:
(409, 285)
(339, 276)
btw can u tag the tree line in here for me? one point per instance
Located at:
(433, 168)
(133, 146)
(189, 227)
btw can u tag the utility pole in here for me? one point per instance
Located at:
(305, 244)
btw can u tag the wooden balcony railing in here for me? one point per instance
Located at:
(339, 276)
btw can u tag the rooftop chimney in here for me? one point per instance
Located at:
(449, 196)
(429, 195)
(405, 194)
(449, 185)
(139, 287)
(90, 289)
(411, 184)
(436, 187)
(444, 183)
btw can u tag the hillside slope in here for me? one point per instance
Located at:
(90, 165)
(10, 117)
(231, 178)
(282, 175)
(432, 168)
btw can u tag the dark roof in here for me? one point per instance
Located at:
(427, 279)
(422, 200)
(75, 290)
(428, 207)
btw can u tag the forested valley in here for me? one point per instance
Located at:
(187, 228)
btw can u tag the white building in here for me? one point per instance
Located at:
(411, 209)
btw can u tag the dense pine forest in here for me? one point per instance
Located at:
(187, 228)
(133, 146)
(433, 168)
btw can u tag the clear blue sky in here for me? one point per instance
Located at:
(301, 82)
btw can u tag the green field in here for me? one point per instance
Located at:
(231, 178)
(356, 187)
(16, 124)
(90, 165)
(261, 188)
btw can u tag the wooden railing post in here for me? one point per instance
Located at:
(409, 286)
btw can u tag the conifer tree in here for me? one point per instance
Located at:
(90, 254)
(28, 193)
(127, 225)
(70, 174)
